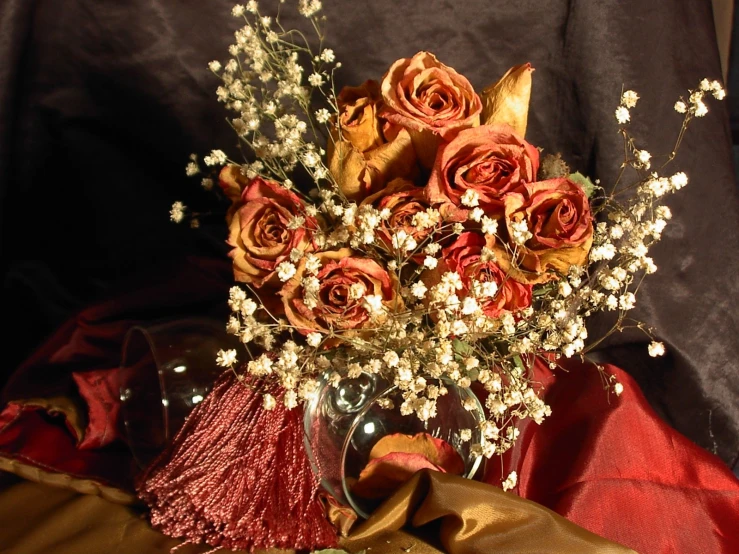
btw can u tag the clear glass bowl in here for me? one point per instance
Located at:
(343, 424)
(166, 370)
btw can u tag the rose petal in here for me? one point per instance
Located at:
(507, 101)
(383, 476)
(437, 451)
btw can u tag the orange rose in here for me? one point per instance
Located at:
(489, 160)
(557, 214)
(404, 200)
(429, 99)
(464, 257)
(332, 307)
(361, 157)
(261, 233)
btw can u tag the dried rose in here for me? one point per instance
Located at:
(404, 200)
(263, 233)
(431, 100)
(488, 160)
(335, 305)
(557, 215)
(465, 257)
(361, 158)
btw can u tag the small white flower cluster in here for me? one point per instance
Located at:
(628, 100)
(695, 105)
(263, 82)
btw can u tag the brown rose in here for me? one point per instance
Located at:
(557, 215)
(465, 257)
(404, 200)
(364, 153)
(333, 307)
(260, 232)
(429, 99)
(358, 115)
(489, 160)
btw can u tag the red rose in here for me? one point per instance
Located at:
(429, 99)
(260, 231)
(465, 257)
(404, 200)
(332, 307)
(489, 160)
(557, 214)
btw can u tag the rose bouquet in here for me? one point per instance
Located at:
(405, 229)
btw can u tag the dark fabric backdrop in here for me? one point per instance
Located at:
(102, 101)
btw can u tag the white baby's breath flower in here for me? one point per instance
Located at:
(679, 180)
(207, 183)
(233, 326)
(629, 98)
(418, 289)
(627, 301)
(681, 107)
(430, 262)
(470, 198)
(476, 214)
(700, 109)
(285, 270)
(177, 212)
(391, 358)
(312, 264)
(226, 358)
(237, 10)
(315, 80)
(643, 156)
(214, 66)
(564, 289)
(465, 435)
(248, 307)
(291, 399)
(656, 349)
(314, 339)
(510, 481)
(328, 55)
(618, 388)
(216, 157)
(489, 225)
(323, 115)
(372, 303)
(309, 8)
(268, 402)
(192, 169)
(432, 248)
(622, 115)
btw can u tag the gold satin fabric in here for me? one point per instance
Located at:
(432, 513)
(446, 513)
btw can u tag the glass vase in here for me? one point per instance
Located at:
(343, 423)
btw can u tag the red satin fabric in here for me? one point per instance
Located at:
(606, 463)
(609, 464)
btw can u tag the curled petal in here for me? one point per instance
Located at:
(507, 101)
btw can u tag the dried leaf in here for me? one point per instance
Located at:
(507, 101)
(586, 184)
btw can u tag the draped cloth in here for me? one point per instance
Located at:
(607, 464)
(100, 105)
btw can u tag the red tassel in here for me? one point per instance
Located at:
(238, 477)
